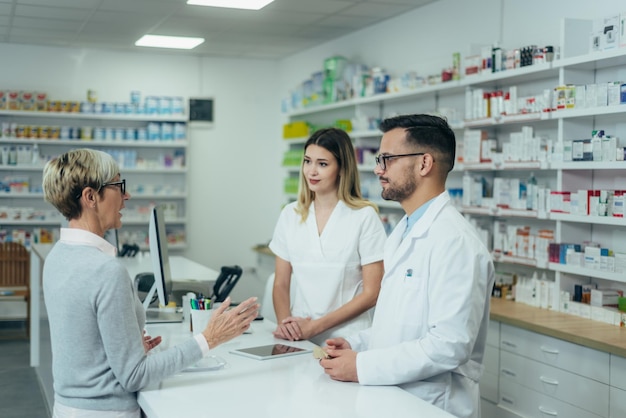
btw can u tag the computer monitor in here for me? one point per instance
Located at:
(157, 239)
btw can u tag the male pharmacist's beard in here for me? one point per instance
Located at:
(399, 193)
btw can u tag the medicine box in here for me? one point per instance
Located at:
(297, 129)
(610, 32)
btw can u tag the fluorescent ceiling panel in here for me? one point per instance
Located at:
(176, 42)
(232, 4)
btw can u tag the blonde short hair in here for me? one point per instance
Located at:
(65, 177)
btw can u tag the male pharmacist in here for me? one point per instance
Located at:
(430, 325)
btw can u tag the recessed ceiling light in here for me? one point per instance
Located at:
(233, 4)
(162, 41)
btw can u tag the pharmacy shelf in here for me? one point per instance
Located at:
(594, 61)
(29, 195)
(596, 220)
(30, 222)
(144, 196)
(97, 143)
(386, 204)
(96, 116)
(146, 154)
(164, 170)
(129, 220)
(588, 165)
(587, 272)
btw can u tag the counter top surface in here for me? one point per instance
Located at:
(592, 334)
(293, 386)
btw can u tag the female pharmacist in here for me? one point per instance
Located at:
(99, 353)
(328, 246)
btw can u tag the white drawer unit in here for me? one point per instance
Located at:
(531, 404)
(491, 360)
(618, 372)
(550, 381)
(617, 403)
(493, 333)
(489, 387)
(555, 352)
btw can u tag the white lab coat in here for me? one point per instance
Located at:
(326, 269)
(430, 326)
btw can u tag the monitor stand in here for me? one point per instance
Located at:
(159, 315)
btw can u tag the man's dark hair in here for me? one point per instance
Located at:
(428, 132)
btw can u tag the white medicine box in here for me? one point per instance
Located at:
(622, 29)
(610, 38)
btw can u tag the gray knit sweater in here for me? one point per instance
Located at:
(96, 325)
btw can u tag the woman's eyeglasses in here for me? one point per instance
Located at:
(121, 183)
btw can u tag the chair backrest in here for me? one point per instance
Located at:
(14, 265)
(226, 281)
(267, 306)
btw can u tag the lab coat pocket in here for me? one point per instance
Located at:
(411, 300)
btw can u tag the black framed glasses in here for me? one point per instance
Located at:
(121, 183)
(381, 160)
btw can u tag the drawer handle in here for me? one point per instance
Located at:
(547, 411)
(549, 381)
(509, 344)
(507, 400)
(549, 350)
(509, 373)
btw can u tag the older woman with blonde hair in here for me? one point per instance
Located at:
(99, 352)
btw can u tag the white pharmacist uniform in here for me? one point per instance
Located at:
(326, 269)
(429, 331)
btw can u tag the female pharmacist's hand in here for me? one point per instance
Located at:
(149, 343)
(289, 329)
(226, 324)
(304, 328)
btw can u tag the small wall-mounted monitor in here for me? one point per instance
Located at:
(200, 110)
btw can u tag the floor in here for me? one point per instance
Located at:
(20, 394)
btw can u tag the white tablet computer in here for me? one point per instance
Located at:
(265, 352)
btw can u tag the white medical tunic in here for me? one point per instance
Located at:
(326, 268)
(429, 331)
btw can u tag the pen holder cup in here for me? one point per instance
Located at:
(200, 319)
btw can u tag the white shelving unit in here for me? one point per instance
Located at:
(149, 181)
(575, 67)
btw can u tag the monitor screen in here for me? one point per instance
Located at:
(157, 239)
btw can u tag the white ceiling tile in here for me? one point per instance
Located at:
(52, 12)
(5, 9)
(326, 7)
(86, 4)
(35, 23)
(141, 6)
(349, 22)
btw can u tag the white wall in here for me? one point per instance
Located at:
(234, 178)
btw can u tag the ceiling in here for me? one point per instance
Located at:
(280, 29)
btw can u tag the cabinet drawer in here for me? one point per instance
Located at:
(493, 333)
(618, 372)
(489, 387)
(491, 360)
(555, 352)
(617, 405)
(531, 404)
(579, 391)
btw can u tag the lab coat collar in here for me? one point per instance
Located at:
(396, 246)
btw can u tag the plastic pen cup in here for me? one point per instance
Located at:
(199, 319)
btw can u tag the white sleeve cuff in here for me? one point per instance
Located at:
(202, 343)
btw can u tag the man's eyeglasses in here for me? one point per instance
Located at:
(121, 183)
(381, 160)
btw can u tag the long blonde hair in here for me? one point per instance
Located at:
(338, 143)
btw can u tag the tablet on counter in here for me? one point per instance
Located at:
(265, 352)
